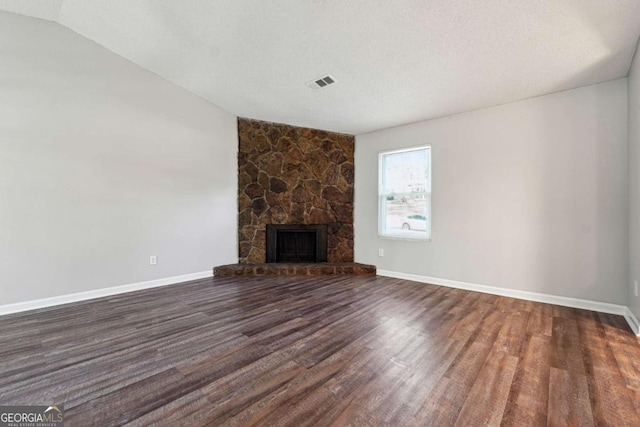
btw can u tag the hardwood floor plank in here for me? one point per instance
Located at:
(188, 410)
(540, 320)
(467, 365)
(130, 402)
(423, 371)
(566, 350)
(442, 406)
(279, 402)
(485, 404)
(568, 400)
(235, 393)
(527, 402)
(611, 400)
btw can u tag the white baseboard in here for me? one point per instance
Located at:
(603, 307)
(99, 293)
(632, 320)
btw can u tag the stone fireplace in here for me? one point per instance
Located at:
(289, 175)
(295, 201)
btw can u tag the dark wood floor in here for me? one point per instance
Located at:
(359, 351)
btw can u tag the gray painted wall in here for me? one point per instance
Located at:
(530, 196)
(634, 182)
(103, 164)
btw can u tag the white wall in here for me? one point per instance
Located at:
(528, 196)
(103, 164)
(634, 181)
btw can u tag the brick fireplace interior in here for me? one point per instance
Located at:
(293, 243)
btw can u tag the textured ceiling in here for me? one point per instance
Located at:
(395, 61)
(43, 9)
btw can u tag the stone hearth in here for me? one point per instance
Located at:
(282, 269)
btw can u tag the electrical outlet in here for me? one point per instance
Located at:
(153, 260)
(380, 252)
(635, 287)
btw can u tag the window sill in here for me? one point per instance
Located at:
(406, 239)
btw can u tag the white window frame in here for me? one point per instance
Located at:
(382, 194)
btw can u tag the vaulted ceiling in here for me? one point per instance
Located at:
(394, 61)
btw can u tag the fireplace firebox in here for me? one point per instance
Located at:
(296, 243)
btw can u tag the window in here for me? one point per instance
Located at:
(404, 193)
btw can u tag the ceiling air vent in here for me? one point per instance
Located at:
(321, 82)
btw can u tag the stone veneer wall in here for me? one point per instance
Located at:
(293, 175)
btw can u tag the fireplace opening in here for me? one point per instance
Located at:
(296, 243)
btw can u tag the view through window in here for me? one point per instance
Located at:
(404, 192)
